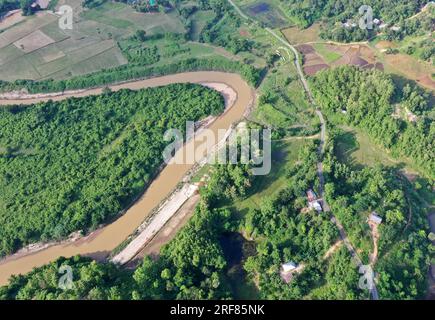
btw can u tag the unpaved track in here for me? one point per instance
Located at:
(109, 237)
(326, 208)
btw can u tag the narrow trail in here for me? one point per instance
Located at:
(323, 134)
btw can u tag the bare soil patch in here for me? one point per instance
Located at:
(244, 33)
(305, 48)
(312, 70)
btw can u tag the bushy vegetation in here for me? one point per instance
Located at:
(191, 266)
(287, 231)
(369, 99)
(71, 165)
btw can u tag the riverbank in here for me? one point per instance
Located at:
(109, 237)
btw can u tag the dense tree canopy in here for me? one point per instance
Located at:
(334, 12)
(71, 165)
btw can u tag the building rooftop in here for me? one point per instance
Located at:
(375, 218)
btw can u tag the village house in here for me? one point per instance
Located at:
(374, 218)
(43, 4)
(313, 203)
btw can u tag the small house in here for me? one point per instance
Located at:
(374, 218)
(315, 205)
(311, 195)
(289, 266)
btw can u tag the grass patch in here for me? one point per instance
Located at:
(327, 55)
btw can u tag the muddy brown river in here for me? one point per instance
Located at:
(101, 242)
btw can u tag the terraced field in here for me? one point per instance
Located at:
(36, 48)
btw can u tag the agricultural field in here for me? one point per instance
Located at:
(348, 142)
(296, 35)
(265, 11)
(401, 57)
(319, 56)
(36, 48)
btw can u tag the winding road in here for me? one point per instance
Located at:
(373, 291)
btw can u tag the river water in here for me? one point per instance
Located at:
(109, 237)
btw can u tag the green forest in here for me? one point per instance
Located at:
(72, 165)
(367, 100)
(403, 248)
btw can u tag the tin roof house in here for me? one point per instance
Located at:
(374, 218)
(313, 203)
(289, 266)
(311, 195)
